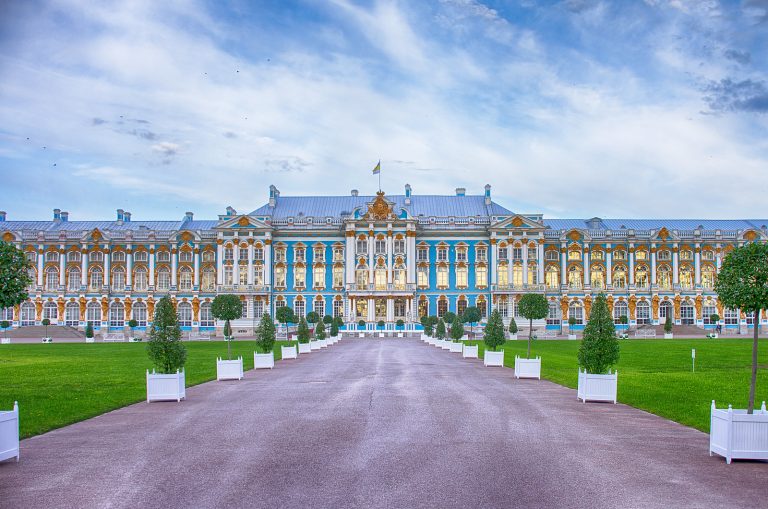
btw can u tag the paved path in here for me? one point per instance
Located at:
(377, 423)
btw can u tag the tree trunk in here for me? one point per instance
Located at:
(229, 347)
(530, 333)
(753, 382)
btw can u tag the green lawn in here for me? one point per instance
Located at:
(655, 375)
(62, 383)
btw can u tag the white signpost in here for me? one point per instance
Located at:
(693, 359)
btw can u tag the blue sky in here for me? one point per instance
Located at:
(575, 108)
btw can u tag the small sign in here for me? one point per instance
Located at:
(693, 353)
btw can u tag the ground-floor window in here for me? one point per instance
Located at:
(442, 307)
(49, 311)
(244, 308)
(27, 314)
(665, 310)
(93, 314)
(502, 308)
(117, 315)
(258, 309)
(72, 314)
(553, 315)
(380, 306)
(731, 316)
(338, 308)
(576, 311)
(140, 314)
(318, 306)
(708, 311)
(6, 315)
(206, 317)
(482, 306)
(361, 309)
(687, 314)
(399, 308)
(620, 309)
(423, 308)
(461, 306)
(299, 308)
(643, 312)
(185, 314)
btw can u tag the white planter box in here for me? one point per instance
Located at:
(493, 358)
(360, 334)
(5, 341)
(455, 347)
(162, 387)
(314, 345)
(470, 352)
(571, 336)
(134, 340)
(381, 334)
(263, 360)
(305, 348)
(597, 387)
(513, 336)
(289, 352)
(669, 335)
(445, 344)
(9, 433)
(90, 340)
(400, 335)
(323, 343)
(47, 340)
(527, 368)
(229, 369)
(712, 335)
(734, 434)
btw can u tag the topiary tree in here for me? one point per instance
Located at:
(320, 331)
(380, 324)
(400, 324)
(5, 324)
(449, 316)
(227, 307)
(14, 276)
(668, 324)
(327, 319)
(285, 315)
(533, 306)
(339, 321)
(313, 317)
(164, 347)
(512, 325)
(440, 330)
(457, 329)
(571, 324)
(494, 331)
(427, 324)
(334, 329)
(623, 320)
(265, 334)
(132, 324)
(714, 318)
(471, 316)
(89, 330)
(743, 284)
(599, 349)
(302, 333)
(46, 322)
(361, 323)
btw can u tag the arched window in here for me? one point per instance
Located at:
(620, 277)
(442, 276)
(554, 316)
(242, 274)
(318, 276)
(399, 308)
(338, 276)
(32, 273)
(318, 306)
(118, 279)
(140, 314)
(74, 279)
(399, 277)
(533, 273)
(163, 279)
(258, 309)
(502, 306)
(117, 315)
(258, 274)
(664, 277)
(481, 276)
(442, 307)
(576, 311)
(6, 314)
(140, 279)
(597, 277)
(208, 256)
(27, 314)
(517, 275)
(502, 276)
(74, 256)
(163, 256)
(361, 276)
(51, 279)
(72, 314)
(461, 305)
(208, 280)
(185, 279)
(93, 314)
(206, 317)
(643, 311)
(299, 308)
(641, 277)
(229, 276)
(96, 279)
(380, 277)
(552, 277)
(708, 276)
(423, 307)
(482, 305)
(338, 308)
(620, 309)
(51, 256)
(184, 312)
(665, 310)
(422, 276)
(687, 313)
(731, 316)
(95, 256)
(49, 311)
(575, 277)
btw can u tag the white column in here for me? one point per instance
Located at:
(697, 265)
(540, 263)
(653, 264)
(525, 261)
(250, 264)
(196, 272)
(84, 265)
(631, 255)
(219, 263)
(718, 258)
(494, 263)
(510, 263)
(107, 256)
(370, 258)
(174, 266)
(563, 266)
(236, 263)
(268, 261)
(390, 309)
(675, 265)
(389, 257)
(349, 259)
(152, 254)
(129, 265)
(410, 253)
(608, 266)
(40, 264)
(371, 311)
(587, 278)
(62, 268)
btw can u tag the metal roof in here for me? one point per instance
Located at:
(656, 224)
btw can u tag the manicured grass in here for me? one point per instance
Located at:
(62, 383)
(655, 375)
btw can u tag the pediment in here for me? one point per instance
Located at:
(96, 236)
(243, 222)
(380, 209)
(665, 235)
(517, 222)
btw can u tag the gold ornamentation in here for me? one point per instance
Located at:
(379, 209)
(517, 222)
(243, 221)
(574, 235)
(186, 236)
(750, 236)
(664, 233)
(655, 307)
(8, 237)
(677, 301)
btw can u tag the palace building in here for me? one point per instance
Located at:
(374, 258)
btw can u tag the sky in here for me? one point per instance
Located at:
(573, 109)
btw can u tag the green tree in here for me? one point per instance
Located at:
(339, 321)
(668, 324)
(46, 322)
(427, 324)
(400, 324)
(327, 319)
(227, 307)
(320, 330)
(743, 284)
(164, 347)
(14, 276)
(449, 316)
(5, 324)
(285, 315)
(494, 331)
(714, 318)
(533, 306)
(623, 320)
(89, 330)
(334, 329)
(440, 330)
(471, 316)
(512, 325)
(313, 317)
(599, 349)
(457, 329)
(265, 334)
(132, 324)
(380, 324)
(302, 333)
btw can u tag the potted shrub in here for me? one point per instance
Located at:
(400, 325)
(742, 284)
(89, 333)
(533, 306)
(9, 433)
(320, 335)
(285, 315)
(571, 325)
(512, 328)
(312, 318)
(289, 351)
(361, 326)
(624, 321)
(598, 352)
(132, 324)
(5, 324)
(339, 322)
(426, 323)
(456, 332)
(228, 307)
(471, 316)
(46, 322)
(440, 334)
(494, 338)
(334, 331)
(449, 316)
(302, 334)
(714, 319)
(668, 328)
(264, 357)
(380, 326)
(167, 353)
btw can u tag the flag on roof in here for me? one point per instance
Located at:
(377, 169)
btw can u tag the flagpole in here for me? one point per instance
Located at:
(379, 175)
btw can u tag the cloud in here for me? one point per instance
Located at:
(166, 148)
(285, 165)
(98, 121)
(741, 57)
(737, 96)
(230, 135)
(144, 134)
